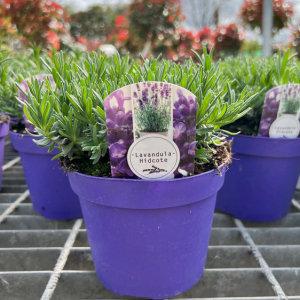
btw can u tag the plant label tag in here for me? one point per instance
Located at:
(153, 157)
(281, 112)
(151, 131)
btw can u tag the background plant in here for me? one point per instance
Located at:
(34, 19)
(260, 75)
(251, 13)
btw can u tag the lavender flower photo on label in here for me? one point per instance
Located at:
(148, 108)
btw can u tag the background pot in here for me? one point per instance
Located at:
(14, 119)
(49, 188)
(148, 238)
(164, 133)
(3, 132)
(261, 180)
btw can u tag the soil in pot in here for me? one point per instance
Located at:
(85, 166)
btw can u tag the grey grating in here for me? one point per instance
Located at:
(48, 259)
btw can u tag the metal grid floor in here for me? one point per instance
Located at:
(48, 259)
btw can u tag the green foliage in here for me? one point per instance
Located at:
(72, 116)
(153, 115)
(97, 21)
(290, 106)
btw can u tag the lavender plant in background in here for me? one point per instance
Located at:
(152, 107)
(184, 123)
(24, 85)
(119, 132)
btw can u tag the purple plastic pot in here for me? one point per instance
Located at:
(262, 178)
(148, 238)
(14, 119)
(49, 187)
(3, 132)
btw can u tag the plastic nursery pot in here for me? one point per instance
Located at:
(3, 132)
(14, 119)
(262, 178)
(50, 190)
(148, 238)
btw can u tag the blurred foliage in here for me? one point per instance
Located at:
(227, 39)
(96, 22)
(251, 13)
(35, 20)
(155, 21)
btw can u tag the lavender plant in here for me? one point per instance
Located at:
(290, 106)
(260, 75)
(153, 108)
(71, 117)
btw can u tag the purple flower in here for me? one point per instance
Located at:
(191, 132)
(184, 110)
(110, 124)
(117, 150)
(119, 96)
(193, 109)
(120, 118)
(192, 148)
(124, 168)
(179, 129)
(177, 104)
(110, 113)
(182, 98)
(145, 95)
(135, 95)
(185, 147)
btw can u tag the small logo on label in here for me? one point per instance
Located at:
(154, 170)
(153, 157)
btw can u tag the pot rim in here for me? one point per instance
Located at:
(224, 165)
(263, 137)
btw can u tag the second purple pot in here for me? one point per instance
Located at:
(49, 188)
(148, 238)
(3, 132)
(262, 178)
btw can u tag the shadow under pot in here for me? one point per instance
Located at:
(3, 132)
(49, 188)
(262, 178)
(148, 238)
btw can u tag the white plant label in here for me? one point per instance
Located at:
(281, 112)
(160, 109)
(286, 126)
(153, 157)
